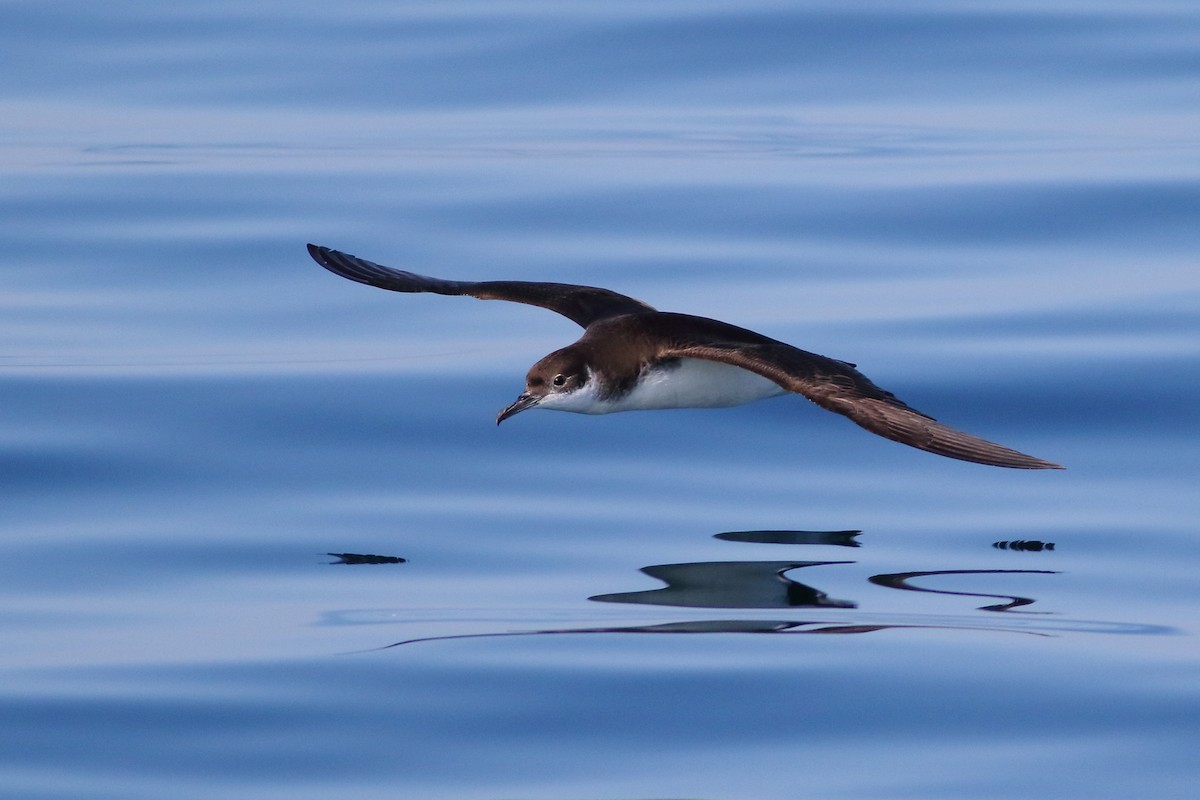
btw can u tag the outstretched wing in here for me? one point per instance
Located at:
(582, 305)
(834, 385)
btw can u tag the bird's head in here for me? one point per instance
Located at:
(561, 380)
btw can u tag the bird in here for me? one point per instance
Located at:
(633, 357)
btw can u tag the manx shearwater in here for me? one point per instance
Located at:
(633, 357)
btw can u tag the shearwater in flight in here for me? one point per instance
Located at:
(633, 357)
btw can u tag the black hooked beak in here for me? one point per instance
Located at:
(525, 401)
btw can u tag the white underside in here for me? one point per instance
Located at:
(690, 383)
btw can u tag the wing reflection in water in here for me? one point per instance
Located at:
(900, 580)
(713, 626)
(766, 585)
(1024, 545)
(730, 584)
(365, 558)
(836, 538)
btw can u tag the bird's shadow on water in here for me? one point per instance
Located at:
(769, 585)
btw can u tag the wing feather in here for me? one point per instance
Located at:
(582, 305)
(836, 386)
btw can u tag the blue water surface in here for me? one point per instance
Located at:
(264, 540)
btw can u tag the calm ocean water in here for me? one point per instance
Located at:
(263, 539)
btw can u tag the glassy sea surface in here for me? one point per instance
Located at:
(263, 539)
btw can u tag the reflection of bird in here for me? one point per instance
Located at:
(632, 357)
(730, 584)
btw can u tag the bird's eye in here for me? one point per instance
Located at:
(560, 380)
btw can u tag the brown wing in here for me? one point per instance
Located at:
(834, 385)
(582, 305)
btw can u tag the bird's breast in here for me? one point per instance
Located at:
(693, 383)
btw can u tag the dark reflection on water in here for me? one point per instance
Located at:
(837, 538)
(1024, 545)
(766, 585)
(763, 584)
(731, 584)
(901, 580)
(780, 626)
(365, 558)
(718, 626)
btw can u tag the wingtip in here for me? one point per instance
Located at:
(339, 263)
(943, 440)
(997, 456)
(1022, 461)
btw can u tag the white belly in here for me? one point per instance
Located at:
(697, 383)
(693, 383)
(686, 383)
